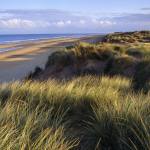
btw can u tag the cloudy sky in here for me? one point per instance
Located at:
(73, 16)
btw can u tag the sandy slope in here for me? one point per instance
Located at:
(16, 64)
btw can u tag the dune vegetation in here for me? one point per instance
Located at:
(84, 113)
(128, 37)
(88, 97)
(109, 59)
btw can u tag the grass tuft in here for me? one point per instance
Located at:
(84, 113)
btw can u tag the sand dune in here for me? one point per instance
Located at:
(16, 64)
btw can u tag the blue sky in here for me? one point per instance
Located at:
(73, 16)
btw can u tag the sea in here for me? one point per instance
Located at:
(5, 39)
(15, 38)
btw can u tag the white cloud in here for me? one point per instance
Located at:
(62, 23)
(103, 22)
(82, 22)
(68, 22)
(17, 23)
(22, 23)
(4, 15)
(55, 21)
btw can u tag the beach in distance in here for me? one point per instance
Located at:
(20, 54)
(13, 38)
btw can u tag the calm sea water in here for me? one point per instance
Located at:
(28, 37)
(5, 39)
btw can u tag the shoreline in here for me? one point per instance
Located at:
(48, 38)
(5, 46)
(31, 40)
(16, 64)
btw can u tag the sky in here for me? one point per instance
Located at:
(73, 16)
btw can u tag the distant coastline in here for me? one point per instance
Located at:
(21, 38)
(15, 38)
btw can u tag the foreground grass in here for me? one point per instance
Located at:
(84, 113)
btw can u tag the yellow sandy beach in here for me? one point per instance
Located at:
(16, 64)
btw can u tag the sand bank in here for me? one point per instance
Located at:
(25, 56)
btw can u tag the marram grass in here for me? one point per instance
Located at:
(86, 113)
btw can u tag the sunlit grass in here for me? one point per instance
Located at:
(84, 113)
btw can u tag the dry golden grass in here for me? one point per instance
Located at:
(84, 113)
